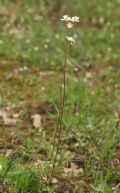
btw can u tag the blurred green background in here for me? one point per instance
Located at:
(31, 31)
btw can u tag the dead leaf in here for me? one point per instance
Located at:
(16, 115)
(2, 114)
(54, 180)
(5, 118)
(88, 75)
(9, 121)
(73, 169)
(37, 120)
(70, 169)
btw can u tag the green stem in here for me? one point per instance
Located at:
(60, 118)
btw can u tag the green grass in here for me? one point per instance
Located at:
(31, 59)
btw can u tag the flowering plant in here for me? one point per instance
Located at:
(69, 21)
(69, 24)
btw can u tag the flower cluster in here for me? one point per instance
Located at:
(69, 23)
(70, 20)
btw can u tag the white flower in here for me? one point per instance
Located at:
(66, 18)
(71, 40)
(75, 19)
(70, 19)
(69, 25)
